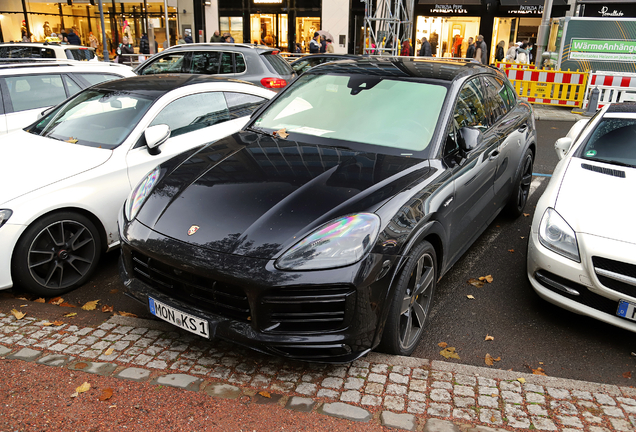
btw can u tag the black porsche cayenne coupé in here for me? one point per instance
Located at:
(320, 231)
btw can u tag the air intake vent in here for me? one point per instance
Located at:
(598, 169)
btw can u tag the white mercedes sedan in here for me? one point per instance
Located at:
(65, 177)
(582, 249)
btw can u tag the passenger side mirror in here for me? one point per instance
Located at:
(155, 136)
(468, 139)
(562, 146)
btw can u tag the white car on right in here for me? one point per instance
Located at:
(582, 248)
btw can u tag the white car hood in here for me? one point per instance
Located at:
(597, 203)
(29, 162)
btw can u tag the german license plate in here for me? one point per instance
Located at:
(626, 310)
(181, 319)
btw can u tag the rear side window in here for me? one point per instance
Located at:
(277, 63)
(206, 62)
(241, 104)
(165, 64)
(494, 90)
(240, 63)
(226, 63)
(35, 91)
(193, 112)
(26, 52)
(470, 110)
(80, 54)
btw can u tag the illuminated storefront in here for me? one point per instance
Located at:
(276, 23)
(40, 18)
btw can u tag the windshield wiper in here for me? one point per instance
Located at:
(613, 162)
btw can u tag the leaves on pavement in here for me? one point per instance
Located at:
(107, 308)
(490, 359)
(58, 323)
(56, 301)
(39, 300)
(69, 315)
(265, 394)
(627, 374)
(442, 344)
(449, 353)
(470, 297)
(65, 304)
(489, 338)
(127, 314)
(488, 278)
(476, 282)
(526, 214)
(539, 371)
(81, 389)
(107, 393)
(521, 380)
(17, 314)
(511, 250)
(109, 351)
(91, 305)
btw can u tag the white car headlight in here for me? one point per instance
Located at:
(5, 214)
(558, 236)
(139, 194)
(337, 243)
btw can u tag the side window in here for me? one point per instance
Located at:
(470, 110)
(35, 91)
(193, 112)
(206, 62)
(96, 78)
(226, 63)
(498, 107)
(79, 54)
(165, 64)
(71, 86)
(240, 63)
(241, 104)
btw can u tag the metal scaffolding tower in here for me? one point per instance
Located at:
(386, 24)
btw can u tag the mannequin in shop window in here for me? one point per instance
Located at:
(457, 46)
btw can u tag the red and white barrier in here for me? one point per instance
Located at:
(613, 86)
(559, 77)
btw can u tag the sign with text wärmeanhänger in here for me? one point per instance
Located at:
(603, 50)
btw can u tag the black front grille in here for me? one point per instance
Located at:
(307, 309)
(619, 268)
(208, 294)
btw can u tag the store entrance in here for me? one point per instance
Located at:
(305, 28)
(269, 29)
(448, 36)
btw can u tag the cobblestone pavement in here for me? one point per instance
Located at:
(400, 392)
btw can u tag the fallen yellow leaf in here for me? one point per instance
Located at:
(264, 394)
(449, 353)
(476, 283)
(107, 308)
(47, 324)
(470, 297)
(17, 314)
(442, 344)
(521, 380)
(511, 250)
(488, 360)
(526, 214)
(538, 371)
(128, 314)
(69, 315)
(109, 351)
(91, 305)
(56, 301)
(488, 278)
(39, 300)
(489, 338)
(83, 388)
(281, 133)
(65, 304)
(58, 323)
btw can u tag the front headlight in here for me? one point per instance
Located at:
(5, 214)
(337, 243)
(139, 194)
(558, 236)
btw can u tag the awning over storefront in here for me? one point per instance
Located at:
(457, 2)
(532, 2)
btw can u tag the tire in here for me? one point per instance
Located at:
(519, 196)
(411, 303)
(56, 254)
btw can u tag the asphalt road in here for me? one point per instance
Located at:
(528, 332)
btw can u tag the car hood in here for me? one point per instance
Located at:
(29, 162)
(598, 203)
(253, 195)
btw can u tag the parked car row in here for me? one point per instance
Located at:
(313, 223)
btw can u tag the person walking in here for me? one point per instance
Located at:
(522, 54)
(470, 51)
(481, 50)
(314, 45)
(425, 50)
(406, 48)
(323, 45)
(125, 48)
(330, 48)
(92, 40)
(73, 39)
(500, 53)
(216, 37)
(144, 44)
(511, 54)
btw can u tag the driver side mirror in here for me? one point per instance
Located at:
(468, 139)
(155, 136)
(562, 146)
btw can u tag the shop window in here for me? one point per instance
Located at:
(448, 36)
(305, 29)
(233, 26)
(269, 29)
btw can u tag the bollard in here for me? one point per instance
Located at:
(592, 105)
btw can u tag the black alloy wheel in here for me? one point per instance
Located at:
(56, 254)
(521, 192)
(412, 302)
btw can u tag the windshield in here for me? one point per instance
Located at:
(94, 118)
(365, 109)
(613, 141)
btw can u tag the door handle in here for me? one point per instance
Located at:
(494, 155)
(523, 128)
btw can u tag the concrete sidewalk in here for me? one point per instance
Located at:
(556, 113)
(399, 392)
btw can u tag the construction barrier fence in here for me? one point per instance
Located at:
(547, 87)
(613, 87)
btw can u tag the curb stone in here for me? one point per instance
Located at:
(399, 392)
